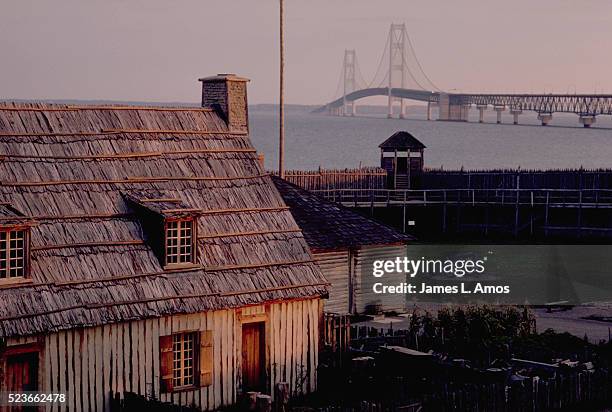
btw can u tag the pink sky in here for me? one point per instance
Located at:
(154, 50)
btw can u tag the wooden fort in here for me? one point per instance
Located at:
(144, 250)
(401, 155)
(345, 244)
(450, 205)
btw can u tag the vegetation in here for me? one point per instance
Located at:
(483, 334)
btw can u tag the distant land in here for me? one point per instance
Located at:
(262, 107)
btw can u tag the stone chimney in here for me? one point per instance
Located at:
(226, 93)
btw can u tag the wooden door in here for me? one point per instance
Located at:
(253, 356)
(22, 375)
(402, 165)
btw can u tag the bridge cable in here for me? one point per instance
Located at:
(362, 81)
(419, 64)
(410, 73)
(338, 93)
(382, 57)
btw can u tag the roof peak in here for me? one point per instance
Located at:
(402, 140)
(50, 106)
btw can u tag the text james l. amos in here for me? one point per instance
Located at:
(427, 289)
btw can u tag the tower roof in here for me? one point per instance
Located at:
(402, 140)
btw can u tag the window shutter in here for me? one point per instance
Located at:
(166, 361)
(206, 357)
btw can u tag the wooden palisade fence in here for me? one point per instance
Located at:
(336, 336)
(375, 178)
(323, 179)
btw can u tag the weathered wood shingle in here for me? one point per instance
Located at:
(70, 168)
(329, 226)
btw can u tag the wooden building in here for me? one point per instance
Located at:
(401, 155)
(345, 244)
(144, 250)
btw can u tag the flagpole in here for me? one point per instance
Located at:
(281, 122)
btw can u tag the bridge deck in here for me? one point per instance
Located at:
(581, 104)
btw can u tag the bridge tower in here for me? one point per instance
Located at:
(348, 74)
(397, 41)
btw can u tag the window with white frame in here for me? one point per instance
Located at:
(13, 253)
(180, 242)
(183, 359)
(186, 360)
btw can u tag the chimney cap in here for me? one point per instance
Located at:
(221, 77)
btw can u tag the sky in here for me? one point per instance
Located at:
(155, 50)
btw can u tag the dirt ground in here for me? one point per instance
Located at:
(574, 322)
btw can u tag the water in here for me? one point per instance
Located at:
(314, 140)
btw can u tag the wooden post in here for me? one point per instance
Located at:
(516, 213)
(251, 400)
(546, 213)
(580, 213)
(394, 169)
(404, 214)
(281, 396)
(444, 213)
(458, 211)
(264, 403)
(281, 111)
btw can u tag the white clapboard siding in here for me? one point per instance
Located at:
(365, 257)
(336, 269)
(92, 364)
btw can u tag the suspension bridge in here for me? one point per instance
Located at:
(400, 76)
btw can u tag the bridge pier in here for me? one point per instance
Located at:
(587, 120)
(481, 108)
(349, 109)
(452, 109)
(545, 118)
(515, 114)
(402, 113)
(499, 110)
(428, 110)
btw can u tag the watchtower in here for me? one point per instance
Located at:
(401, 155)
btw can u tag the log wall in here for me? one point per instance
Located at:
(93, 363)
(365, 295)
(349, 272)
(336, 268)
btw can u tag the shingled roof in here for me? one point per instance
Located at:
(329, 226)
(402, 140)
(72, 170)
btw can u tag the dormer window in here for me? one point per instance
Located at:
(180, 242)
(170, 227)
(13, 253)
